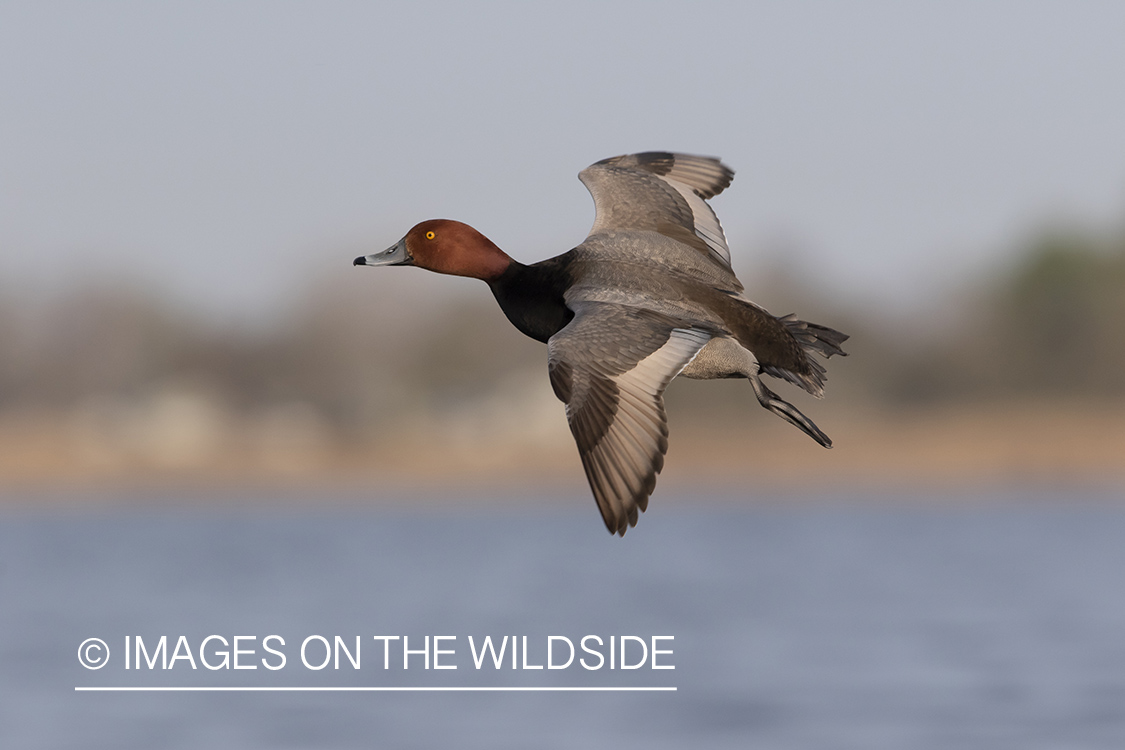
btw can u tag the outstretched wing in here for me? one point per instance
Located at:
(610, 366)
(661, 192)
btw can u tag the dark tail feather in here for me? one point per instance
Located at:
(812, 338)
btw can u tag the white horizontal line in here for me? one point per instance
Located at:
(377, 689)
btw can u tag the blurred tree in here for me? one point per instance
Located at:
(1051, 325)
(1063, 315)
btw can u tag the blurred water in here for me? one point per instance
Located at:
(990, 622)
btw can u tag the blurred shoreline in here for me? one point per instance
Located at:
(1074, 443)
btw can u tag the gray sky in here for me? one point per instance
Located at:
(225, 153)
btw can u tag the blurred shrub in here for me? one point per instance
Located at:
(355, 356)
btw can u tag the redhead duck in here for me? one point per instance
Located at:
(649, 295)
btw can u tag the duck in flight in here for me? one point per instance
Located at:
(649, 295)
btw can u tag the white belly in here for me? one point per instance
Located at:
(721, 358)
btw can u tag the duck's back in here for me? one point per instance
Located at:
(645, 269)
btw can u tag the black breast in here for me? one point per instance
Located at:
(532, 296)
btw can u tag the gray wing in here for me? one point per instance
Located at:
(610, 366)
(662, 192)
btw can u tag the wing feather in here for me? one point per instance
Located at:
(610, 365)
(665, 193)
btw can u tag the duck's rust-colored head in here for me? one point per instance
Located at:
(444, 246)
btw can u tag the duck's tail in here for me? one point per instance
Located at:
(813, 339)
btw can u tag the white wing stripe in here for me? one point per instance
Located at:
(707, 226)
(620, 456)
(657, 369)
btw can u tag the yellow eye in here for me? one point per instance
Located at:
(429, 235)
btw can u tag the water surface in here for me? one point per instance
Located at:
(997, 621)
